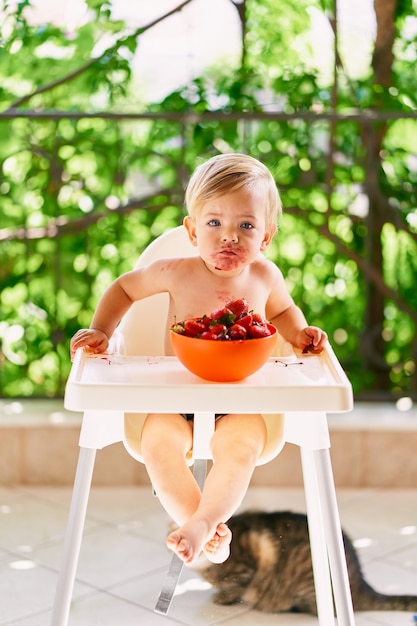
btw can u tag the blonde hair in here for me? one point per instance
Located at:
(225, 173)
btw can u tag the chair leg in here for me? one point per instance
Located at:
(321, 572)
(73, 537)
(333, 533)
(171, 581)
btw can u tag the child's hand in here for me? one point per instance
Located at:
(311, 339)
(94, 339)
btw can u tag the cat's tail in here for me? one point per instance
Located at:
(365, 598)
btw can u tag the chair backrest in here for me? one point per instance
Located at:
(142, 329)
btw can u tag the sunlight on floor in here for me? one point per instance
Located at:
(124, 561)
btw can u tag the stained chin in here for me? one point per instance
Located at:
(227, 264)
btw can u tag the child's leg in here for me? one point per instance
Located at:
(165, 441)
(236, 445)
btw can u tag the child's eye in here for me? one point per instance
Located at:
(246, 225)
(214, 223)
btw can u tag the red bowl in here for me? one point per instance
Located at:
(223, 361)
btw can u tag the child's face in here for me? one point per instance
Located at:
(230, 231)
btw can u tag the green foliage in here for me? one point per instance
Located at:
(276, 41)
(81, 197)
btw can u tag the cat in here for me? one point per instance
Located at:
(270, 568)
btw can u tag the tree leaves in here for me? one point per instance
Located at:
(80, 198)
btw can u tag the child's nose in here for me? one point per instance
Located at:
(229, 235)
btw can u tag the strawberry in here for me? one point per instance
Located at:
(223, 315)
(256, 331)
(178, 328)
(205, 320)
(218, 329)
(237, 332)
(246, 321)
(228, 323)
(209, 335)
(193, 328)
(238, 307)
(257, 319)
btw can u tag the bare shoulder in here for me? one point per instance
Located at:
(267, 270)
(169, 266)
(159, 276)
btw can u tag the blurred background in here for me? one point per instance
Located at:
(106, 109)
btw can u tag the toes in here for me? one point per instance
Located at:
(223, 530)
(180, 546)
(217, 550)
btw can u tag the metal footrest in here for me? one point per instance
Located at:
(168, 590)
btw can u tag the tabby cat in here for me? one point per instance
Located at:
(270, 568)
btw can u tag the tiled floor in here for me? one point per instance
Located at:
(123, 559)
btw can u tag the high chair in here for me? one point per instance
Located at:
(293, 401)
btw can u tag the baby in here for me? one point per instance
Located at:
(233, 210)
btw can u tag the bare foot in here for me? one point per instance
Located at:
(217, 550)
(188, 541)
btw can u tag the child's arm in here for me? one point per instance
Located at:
(112, 306)
(283, 313)
(114, 303)
(293, 326)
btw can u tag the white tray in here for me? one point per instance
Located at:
(162, 384)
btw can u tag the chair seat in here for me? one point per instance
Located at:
(133, 424)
